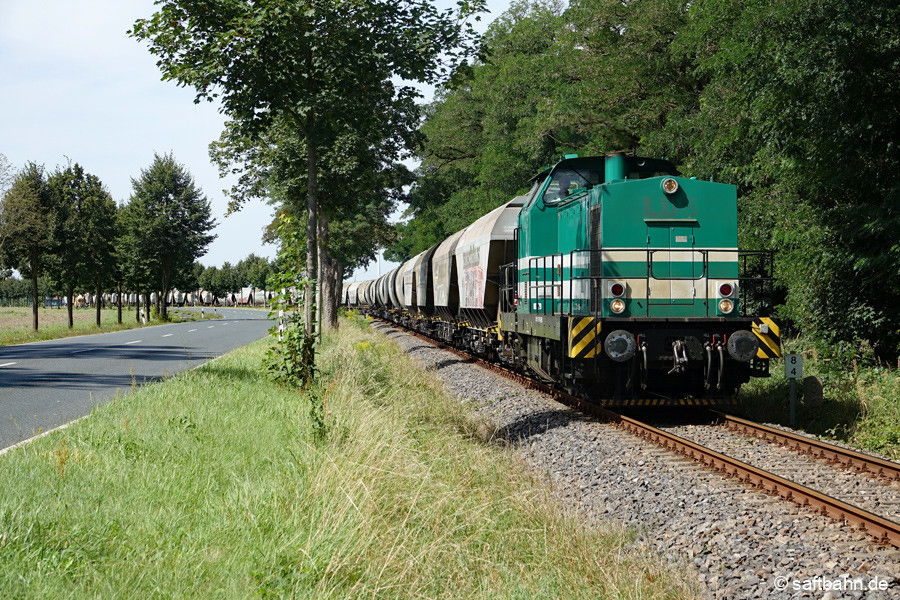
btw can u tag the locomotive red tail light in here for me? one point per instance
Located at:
(616, 289)
(726, 289)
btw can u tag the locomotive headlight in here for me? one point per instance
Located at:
(726, 306)
(617, 305)
(669, 185)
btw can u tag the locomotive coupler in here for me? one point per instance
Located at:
(679, 352)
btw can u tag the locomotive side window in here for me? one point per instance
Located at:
(529, 197)
(564, 181)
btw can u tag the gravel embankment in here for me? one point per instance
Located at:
(875, 495)
(740, 542)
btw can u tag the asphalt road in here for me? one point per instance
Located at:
(46, 384)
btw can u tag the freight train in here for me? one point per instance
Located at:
(614, 278)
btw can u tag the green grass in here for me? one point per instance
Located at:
(217, 484)
(861, 405)
(15, 323)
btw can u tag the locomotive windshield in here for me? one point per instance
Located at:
(565, 181)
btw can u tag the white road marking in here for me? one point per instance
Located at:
(7, 364)
(169, 335)
(134, 342)
(190, 330)
(211, 326)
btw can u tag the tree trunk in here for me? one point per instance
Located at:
(164, 297)
(337, 272)
(328, 310)
(322, 278)
(99, 303)
(137, 308)
(312, 193)
(147, 306)
(119, 300)
(70, 305)
(34, 291)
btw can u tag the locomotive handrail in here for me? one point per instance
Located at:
(554, 278)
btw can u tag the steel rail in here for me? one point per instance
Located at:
(863, 463)
(882, 530)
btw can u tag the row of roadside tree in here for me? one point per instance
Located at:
(65, 226)
(250, 273)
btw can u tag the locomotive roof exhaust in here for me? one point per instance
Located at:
(615, 167)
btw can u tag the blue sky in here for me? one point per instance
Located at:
(73, 85)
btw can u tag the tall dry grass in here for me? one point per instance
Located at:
(216, 484)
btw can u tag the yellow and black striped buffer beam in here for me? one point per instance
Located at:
(584, 337)
(670, 402)
(769, 337)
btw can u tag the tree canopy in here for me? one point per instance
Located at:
(168, 223)
(791, 101)
(317, 74)
(26, 223)
(83, 233)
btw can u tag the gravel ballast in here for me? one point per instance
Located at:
(740, 542)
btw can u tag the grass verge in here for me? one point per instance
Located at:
(861, 403)
(217, 483)
(15, 323)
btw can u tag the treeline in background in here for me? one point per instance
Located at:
(793, 101)
(66, 236)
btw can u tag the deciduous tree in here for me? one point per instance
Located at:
(83, 234)
(171, 221)
(319, 67)
(26, 214)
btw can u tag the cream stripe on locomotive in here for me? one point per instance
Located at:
(560, 286)
(582, 259)
(675, 254)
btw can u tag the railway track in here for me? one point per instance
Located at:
(845, 457)
(883, 530)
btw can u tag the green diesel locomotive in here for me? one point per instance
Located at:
(613, 277)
